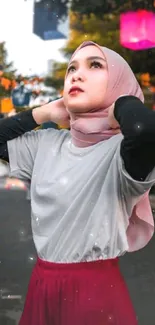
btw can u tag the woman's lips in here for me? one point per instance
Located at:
(75, 90)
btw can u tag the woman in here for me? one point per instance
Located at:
(89, 190)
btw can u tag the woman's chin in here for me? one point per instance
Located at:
(77, 107)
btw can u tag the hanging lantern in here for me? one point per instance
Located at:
(137, 30)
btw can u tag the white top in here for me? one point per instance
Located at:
(81, 198)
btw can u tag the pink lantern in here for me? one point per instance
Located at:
(137, 30)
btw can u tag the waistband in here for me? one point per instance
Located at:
(90, 265)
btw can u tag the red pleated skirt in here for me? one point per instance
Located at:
(87, 293)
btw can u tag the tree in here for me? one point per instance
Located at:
(92, 29)
(56, 80)
(84, 27)
(98, 7)
(7, 73)
(8, 69)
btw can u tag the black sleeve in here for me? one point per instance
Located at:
(137, 123)
(13, 127)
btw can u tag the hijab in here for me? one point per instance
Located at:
(92, 127)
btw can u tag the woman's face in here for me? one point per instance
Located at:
(86, 80)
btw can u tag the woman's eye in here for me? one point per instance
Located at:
(96, 64)
(71, 69)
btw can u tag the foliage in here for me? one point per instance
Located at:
(7, 67)
(7, 70)
(105, 31)
(98, 7)
(57, 79)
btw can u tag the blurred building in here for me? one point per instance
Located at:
(50, 64)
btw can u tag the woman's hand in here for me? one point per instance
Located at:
(58, 113)
(54, 111)
(111, 118)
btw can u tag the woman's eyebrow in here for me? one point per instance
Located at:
(89, 58)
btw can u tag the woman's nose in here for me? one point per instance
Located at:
(77, 76)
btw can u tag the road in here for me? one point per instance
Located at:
(17, 256)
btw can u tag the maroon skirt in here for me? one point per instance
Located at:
(89, 293)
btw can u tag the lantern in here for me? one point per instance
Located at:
(137, 30)
(145, 79)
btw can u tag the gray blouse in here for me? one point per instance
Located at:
(81, 198)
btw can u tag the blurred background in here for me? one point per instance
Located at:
(37, 38)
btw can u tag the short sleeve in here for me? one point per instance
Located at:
(22, 152)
